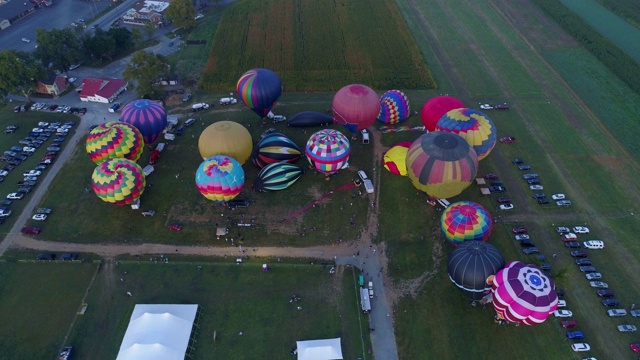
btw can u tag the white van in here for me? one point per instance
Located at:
(365, 136)
(444, 202)
(594, 244)
(368, 185)
(370, 289)
(169, 137)
(228, 101)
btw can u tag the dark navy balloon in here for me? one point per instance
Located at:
(260, 89)
(148, 116)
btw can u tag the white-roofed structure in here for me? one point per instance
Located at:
(158, 331)
(323, 349)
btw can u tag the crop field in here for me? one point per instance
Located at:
(623, 34)
(316, 45)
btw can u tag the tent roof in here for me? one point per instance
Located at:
(158, 331)
(323, 349)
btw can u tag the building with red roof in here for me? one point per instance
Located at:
(103, 90)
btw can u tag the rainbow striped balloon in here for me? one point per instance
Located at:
(394, 107)
(472, 125)
(114, 140)
(220, 178)
(465, 221)
(328, 151)
(259, 89)
(148, 116)
(118, 181)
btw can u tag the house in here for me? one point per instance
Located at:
(53, 85)
(147, 12)
(102, 90)
(14, 10)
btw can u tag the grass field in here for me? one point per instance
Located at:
(253, 34)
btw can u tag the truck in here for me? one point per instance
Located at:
(368, 185)
(365, 136)
(228, 101)
(371, 289)
(199, 106)
(114, 107)
(66, 353)
(276, 118)
(365, 300)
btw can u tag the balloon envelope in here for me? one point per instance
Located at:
(356, 107)
(309, 118)
(394, 107)
(523, 293)
(220, 178)
(274, 148)
(441, 164)
(259, 89)
(148, 116)
(118, 181)
(277, 176)
(328, 151)
(470, 264)
(435, 108)
(465, 221)
(114, 140)
(395, 159)
(226, 138)
(472, 125)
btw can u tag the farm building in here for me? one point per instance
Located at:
(102, 90)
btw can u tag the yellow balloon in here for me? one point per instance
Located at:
(226, 138)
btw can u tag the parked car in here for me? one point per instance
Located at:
(69, 257)
(578, 254)
(232, 204)
(39, 217)
(575, 335)
(583, 261)
(531, 250)
(536, 187)
(593, 244)
(562, 313)
(530, 176)
(627, 328)
(634, 313)
(587, 269)
(506, 206)
(504, 200)
(496, 189)
(527, 243)
(580, 230)
(606, 293)
(186, 97)
(539, 195)
(593, 276)
(490, 176)
(580, 347)
(599, 284)
(543, 201)
(43, 211)
(569, 324)
(524, 167)
(572, 245)
(519, 230)
(175, 227)
(610, 302)
(507, 139)
(617, 312)
(522, 237)
(45, 257)
(533, 181)
(563, 203)
(557, 196)
(517, 161)
(502, 107)
(30, 230)
(15, 196)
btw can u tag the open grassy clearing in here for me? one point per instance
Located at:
(37, 304)
(233, 299)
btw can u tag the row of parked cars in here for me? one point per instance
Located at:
(52, 256)
(534, 182)
(57, 108)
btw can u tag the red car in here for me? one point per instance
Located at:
(569, 324)
(635, 347)
(502, 107)
(175, 227)
(519, 230)
(490, 176)
(507, 140)
(31, 230)
(504, 200)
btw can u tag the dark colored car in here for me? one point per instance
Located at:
(583, 262)
(605, 293)
(5, 202)
(572, 245)
(497, 183)
(527, 243)
(45, 257)
(578, 254)
(530, 176)
(504, 200)
(519, 230)
(69, 257)
(53, 107)
(569, 324)
(610, 302)
(531, 250)
(186, 97)
(524, 167)
(575, 335)
(175, 227)
(543, 201)
(545, 267)
(179, 130)
(533, 181)
(490, 176)
(539, 195)
(507, 140)
(502, 107)
(560, 292)
(517, 161)
(496, 189)
(31, 230)
(232, 204)
(587, 269)
(563, 230)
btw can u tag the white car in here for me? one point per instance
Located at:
(29, 149)
(39, 217)
(32, 173)
(486, 107)
(71, 80)
(579, 347)
(580, 230)
(536, 187)
(522, 237)
(26, 40)
(506, 206)
(627, 328)
(4, 173)
(562, 303)
(599, 284)
(617, 312)
(562, 313)
(15, 196)
(199, 16)
(593, 244)
(5, 213)
(593, 276)
(43, 124)
(62, 131)
(558, 196)
(37, 130)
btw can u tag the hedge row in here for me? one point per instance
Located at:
(317, 45)
(626, 9)
(615, 59)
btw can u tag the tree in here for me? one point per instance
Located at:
(101, 46)
(136, 35)
(59, 47)
(182, 13)
(19, 72)
(146, 69)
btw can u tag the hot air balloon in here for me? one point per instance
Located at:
(260, 89)
(309, 118)
(118, 181)
(277, 176)
(435, 108)
(473, 126)
(220, 178)
(523, 293)
(148, 116)
(441, 164)
(470, 264)
(394, 107)
(226, 138)
(275, 148)
(328, 151)
(395, 159)
(465, 221)
(114, 140)
(356, 107)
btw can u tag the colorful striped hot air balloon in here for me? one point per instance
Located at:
(277, 176)
(274, 148)
(441, 164)
(148, 116)
(226, 138)
(470, 264)
(524, 294)
(435, 108)
(356, 107)
(114, 140)
(394, 107)
(473, 126)
(328, 151)
(118, 181)
(259, 89)
(220, 178)
(464, 221)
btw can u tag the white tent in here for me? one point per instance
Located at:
(324, 349)
(158, 331)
